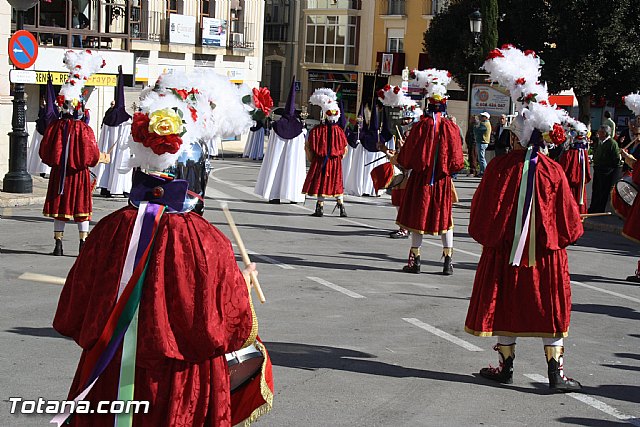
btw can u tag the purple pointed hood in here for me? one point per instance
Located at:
(288, 126)
(369, 137)
(50, 112)
(385, 132)
(342, 121)
(117, 115)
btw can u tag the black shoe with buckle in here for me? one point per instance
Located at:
(343, 211)
(447, 268)
(57, 251)
(558, 382)
(274, 201)
(504, 372)
(413, 265)
(319, 210)
(399, 234)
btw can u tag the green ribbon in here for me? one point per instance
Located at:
(521, 199)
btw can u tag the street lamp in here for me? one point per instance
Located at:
(475, 24)
(17, 180)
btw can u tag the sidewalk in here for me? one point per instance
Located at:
(8, 200)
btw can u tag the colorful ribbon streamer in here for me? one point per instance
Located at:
(123, 314)
(436, 122)
(525, 219)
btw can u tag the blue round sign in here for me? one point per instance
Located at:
(23, 49)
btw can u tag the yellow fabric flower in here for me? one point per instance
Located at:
(437, 97)
(165, 122)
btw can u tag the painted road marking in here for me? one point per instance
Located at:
(442, 334)
(606, 291)
(271, 260)
(44, 278)
(594, 403)
(336, 287)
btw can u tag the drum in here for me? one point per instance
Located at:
(627, 190)
(243, 365)
(387, 175)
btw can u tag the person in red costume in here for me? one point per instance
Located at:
(326, 146)
(524, 216)
(631, 228)
(575, 162)
(156, 310)
(69, 146)
(432, 151)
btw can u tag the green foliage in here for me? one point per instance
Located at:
(450, 44)
(489, 11)
(590, 46)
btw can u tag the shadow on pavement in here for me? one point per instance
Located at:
(588, 278)
(609, 310)
(36, 332)
(313, 357)
(589, 422)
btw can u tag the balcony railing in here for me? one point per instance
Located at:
(147, 25)
(102, 24)
(244, 40)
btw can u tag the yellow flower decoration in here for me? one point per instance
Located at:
(165, 122)
(437, 97)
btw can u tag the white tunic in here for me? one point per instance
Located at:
(283, 169)
(254, 148)
(358, 181)
(114, 138)
(34, 162)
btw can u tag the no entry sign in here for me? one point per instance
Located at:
(23, 49)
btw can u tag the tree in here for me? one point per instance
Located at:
(589, 46)
(489, 11)
(586, 45)
(449, 43)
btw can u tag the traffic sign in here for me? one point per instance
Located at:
(22, 76)
(23, 49)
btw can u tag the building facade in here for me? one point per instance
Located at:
(145, 37)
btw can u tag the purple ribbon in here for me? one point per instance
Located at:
(66, 137)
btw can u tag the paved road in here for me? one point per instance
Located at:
(353, 340)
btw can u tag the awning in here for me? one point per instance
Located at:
(563, 100)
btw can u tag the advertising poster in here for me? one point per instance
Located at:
(214, 32)
(182, 29)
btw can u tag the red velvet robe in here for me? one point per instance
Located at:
(426, 209)
(570, 162)
(631, 227)
(194, 308)
(522, 300)
(327, 183)
(75, 201)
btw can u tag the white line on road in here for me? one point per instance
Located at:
(271, 260)
(442, 334)
(336, 287)
(606, 291)
(44, 278)
(594, 403)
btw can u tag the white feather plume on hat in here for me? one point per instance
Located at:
(632, 101)
(394, 97)
(209, 105)
(82, 65)
(434, 81)
(519, 72)
(326, 99)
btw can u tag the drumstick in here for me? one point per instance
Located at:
(631, 143)
(243, 251)
(399, 134)
(593, 215)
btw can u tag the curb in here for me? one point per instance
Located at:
(22, 201)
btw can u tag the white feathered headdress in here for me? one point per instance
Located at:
(632, 101)
(394, 97)
(82, 65)
(519, 72)
(182, 108)
(326, 99)
(435, 83)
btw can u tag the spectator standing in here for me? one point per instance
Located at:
(482, 134)
(471, 145)
(609, 122)
(606, 161)
(502, 137)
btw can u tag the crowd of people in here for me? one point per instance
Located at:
(130, 306)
